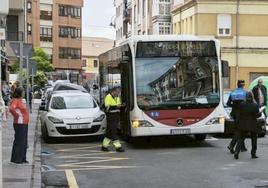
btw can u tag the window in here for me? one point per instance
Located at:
(46, 34)
(45, 15)
(69, 32)
(65, 10)
(69, 53)
(254, 75)
(84, 63)
(95, 62)
(164, 28)
(224, 22)
(29, 7)
(29, 29)
(164, 7)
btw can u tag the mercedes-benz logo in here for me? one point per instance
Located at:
(78, 118)
(180, 122)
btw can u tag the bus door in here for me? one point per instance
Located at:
(126, 95)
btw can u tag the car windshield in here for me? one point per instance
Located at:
(73, 102)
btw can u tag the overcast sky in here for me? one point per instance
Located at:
(97, 16)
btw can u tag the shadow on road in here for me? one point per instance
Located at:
(168, 142)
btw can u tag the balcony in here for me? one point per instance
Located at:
(16, 5)
(14, 36)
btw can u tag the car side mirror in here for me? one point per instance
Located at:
(225, 69)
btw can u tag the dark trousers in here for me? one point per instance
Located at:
(112, 125)
(242, 136)
(20, 143)
(235, 139)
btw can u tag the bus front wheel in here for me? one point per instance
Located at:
(200, 137)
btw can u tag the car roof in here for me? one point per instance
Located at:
(68, 86)
(69, 93)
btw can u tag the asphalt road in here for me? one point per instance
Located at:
(162, 163)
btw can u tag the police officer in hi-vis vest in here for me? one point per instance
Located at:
(112, 104)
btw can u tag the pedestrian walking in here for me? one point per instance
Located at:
(236, 97)
(21, 119)
(247, 123)
(112, 104)
(260, 94)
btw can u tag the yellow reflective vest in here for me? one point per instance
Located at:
(111, 103)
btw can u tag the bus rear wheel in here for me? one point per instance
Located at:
(200, 137)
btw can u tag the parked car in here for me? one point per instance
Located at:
(72, 114)
(229, 125)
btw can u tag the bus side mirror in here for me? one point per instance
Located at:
(225, 69)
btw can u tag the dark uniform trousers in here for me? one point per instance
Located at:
(242, 136)
(112, 125)
(20, 143)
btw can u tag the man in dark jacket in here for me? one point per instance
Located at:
(260, 94)
(236, 97)
(247, 123)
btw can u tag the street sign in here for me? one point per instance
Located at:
(2, 34)
(27, 49)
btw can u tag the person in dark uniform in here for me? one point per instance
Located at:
(236, 97)
(247, 123)
(112, 104)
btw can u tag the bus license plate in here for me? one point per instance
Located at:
(79, 126)
(180, 131)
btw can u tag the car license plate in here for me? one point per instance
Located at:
(180, 131)
(83, 126)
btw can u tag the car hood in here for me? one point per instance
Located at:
(74, 113)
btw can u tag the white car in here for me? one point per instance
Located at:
(72, 114)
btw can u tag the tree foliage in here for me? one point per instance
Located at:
(40, 79)
(15, 68)
(42, 60)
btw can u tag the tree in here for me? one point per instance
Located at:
(42, 60)
(15, 67)
(40, 79)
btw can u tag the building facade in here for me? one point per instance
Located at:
(241, 26)
(92, 47)
(56, 26)
(142, 17)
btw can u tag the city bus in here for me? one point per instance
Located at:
(170, 85)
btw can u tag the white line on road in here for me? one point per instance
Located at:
(71, 179)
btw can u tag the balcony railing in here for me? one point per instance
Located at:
(15, 36)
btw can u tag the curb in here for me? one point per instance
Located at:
(36, 168)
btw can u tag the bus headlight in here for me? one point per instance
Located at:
(217, 120)
(141, 123)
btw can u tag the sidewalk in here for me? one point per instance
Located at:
(26, 175)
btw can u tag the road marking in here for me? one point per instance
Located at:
(79, 148)
(90, 162)
(71, 179)
(82, 156)
(101, 167)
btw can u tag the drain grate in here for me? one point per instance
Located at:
(18, 180)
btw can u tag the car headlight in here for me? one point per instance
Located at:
(217, 120)
(141, 123)
(99, 119)
(55, 120)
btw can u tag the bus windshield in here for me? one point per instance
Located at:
(179, 81)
